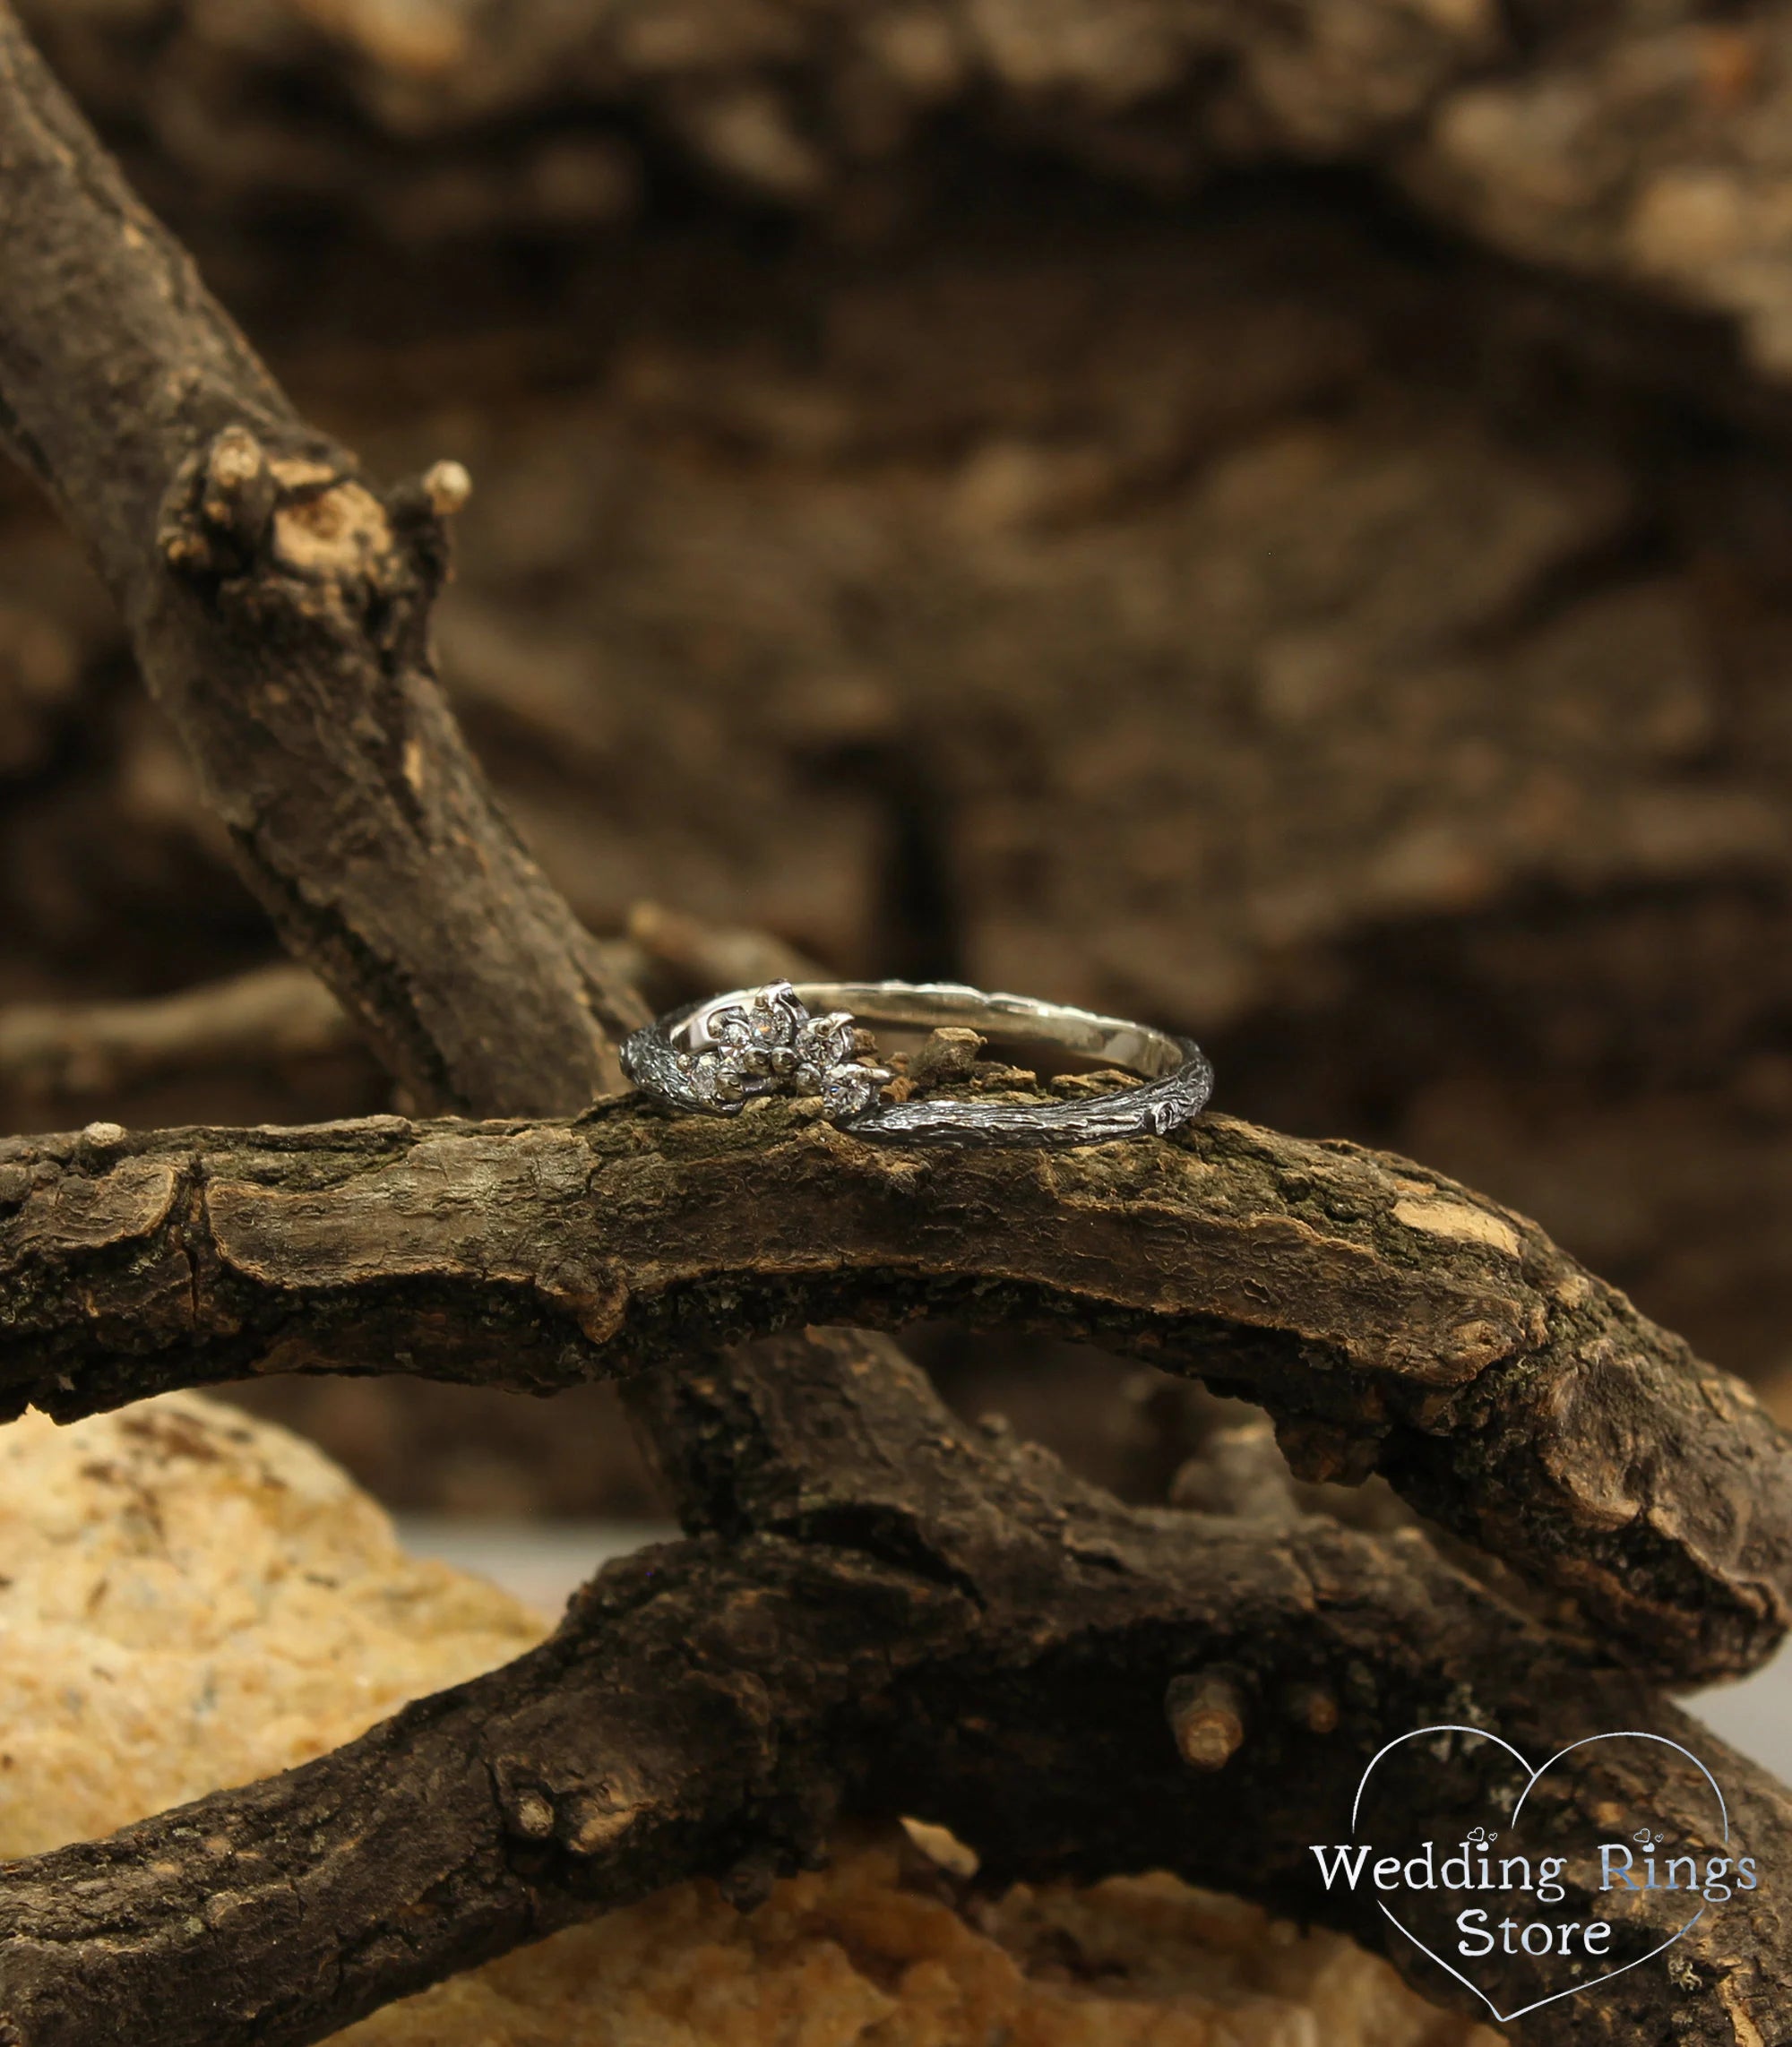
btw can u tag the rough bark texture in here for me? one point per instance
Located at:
(919, 1620)
(875, 1609)
(1243, 618)
(279, 612)
(1387, 1319)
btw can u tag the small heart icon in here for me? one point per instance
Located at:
(1479, 1841)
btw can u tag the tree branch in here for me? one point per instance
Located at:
(904, 1619)
(968, 1634)
(279, 609)
(257, 1019)
(271, 1014)
(1387, 1317)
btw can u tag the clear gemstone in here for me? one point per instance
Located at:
(767, 1043)
(827, 1041)
(850, 1090)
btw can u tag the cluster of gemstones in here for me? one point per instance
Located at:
(771, 1044)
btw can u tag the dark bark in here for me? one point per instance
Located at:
(1387, 1319)
(875, 1609)
(924, 1623)
(279, 611)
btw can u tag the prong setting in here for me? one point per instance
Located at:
(765, 1042)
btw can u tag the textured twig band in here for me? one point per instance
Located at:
(715, 1056)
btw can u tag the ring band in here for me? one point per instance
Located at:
(713, 1057)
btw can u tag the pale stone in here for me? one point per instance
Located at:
(859, 1954)
(192, 1599)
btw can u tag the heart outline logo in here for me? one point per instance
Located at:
(1482, 1734)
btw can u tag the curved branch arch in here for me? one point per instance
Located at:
(1387, 1317)
(280, 609)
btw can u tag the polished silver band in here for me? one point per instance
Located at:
(713, 1057)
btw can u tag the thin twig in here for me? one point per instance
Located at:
(265, 1016)
(271, 1015)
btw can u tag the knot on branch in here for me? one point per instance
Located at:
(299, 527)
(585, 1819)
(750, 1882)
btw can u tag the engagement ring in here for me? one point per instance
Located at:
(713, 1057)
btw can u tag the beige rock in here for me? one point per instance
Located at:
(857, 1957)
(190, 1599)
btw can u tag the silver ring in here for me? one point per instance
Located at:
(713, 1057)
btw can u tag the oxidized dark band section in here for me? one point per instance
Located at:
(715, 1056)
